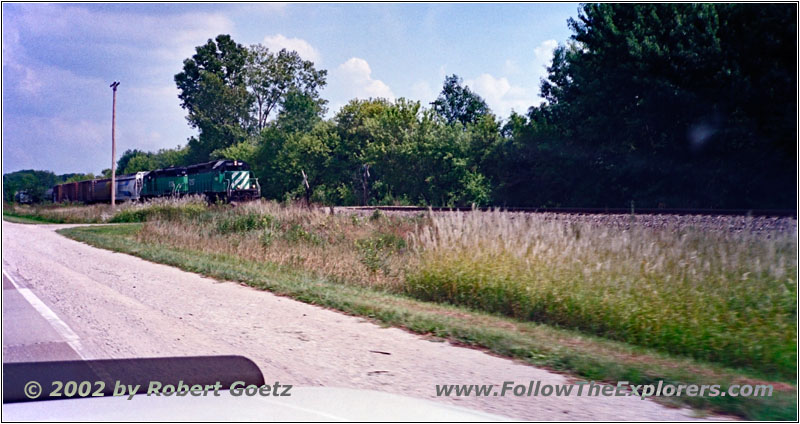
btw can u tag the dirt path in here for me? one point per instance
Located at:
(121, 306)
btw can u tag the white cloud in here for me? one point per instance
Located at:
(423, 92)
(543, 57)
(68, 104)
(155, 42)
(302, 47)
(510, 67)
(355, 77)
(502, 96)
(544, 51)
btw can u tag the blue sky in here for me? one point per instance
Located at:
(59, 59)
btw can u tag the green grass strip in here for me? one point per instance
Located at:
(588, 357)
(28, 219)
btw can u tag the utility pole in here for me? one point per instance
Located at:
(114, 86)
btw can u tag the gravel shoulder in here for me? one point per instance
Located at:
(122, 306)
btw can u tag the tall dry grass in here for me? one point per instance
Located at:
(347, 249)
(722, 290)
(102, 213)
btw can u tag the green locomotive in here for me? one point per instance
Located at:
(228, 180)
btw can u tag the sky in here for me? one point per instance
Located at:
(59, 60)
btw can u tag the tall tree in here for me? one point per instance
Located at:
(658, 97)
(271, 77)
(214, 94)
(459, 104)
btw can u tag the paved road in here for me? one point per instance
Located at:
(72, 300)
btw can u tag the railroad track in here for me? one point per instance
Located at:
(782, 213)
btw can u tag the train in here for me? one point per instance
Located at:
(226, 180)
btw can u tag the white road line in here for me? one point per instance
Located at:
(59, 326)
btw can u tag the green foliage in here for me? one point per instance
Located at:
(214, 94)
(229, 92)
(159, 211)
(80, 177)
(676, 104)
(283, 157)
(377, 215)
(376, 251)
(134, 160)
(35, 183)
(244, 223)
(459, 104)
(411, 154)
(244, 151)
(278, 81)
(297, 234)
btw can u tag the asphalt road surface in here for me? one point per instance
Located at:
(64, 300)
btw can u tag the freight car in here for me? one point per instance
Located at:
(97, 191)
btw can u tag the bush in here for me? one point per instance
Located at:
(375, 251)
(244, 223)
(159, 211)
(296, 233)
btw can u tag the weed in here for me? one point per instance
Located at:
(244, 223)
(376, 250)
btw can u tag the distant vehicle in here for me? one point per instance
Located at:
(23, 197)
(225, 180)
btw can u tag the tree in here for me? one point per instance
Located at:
(278, 156)
(124, 160)
(244, 151)
(459, 104)
(652, 99)
(35, 183)
(299, 112)
(308, 153)
(90, 176)
(136, 160)
(416, 158)
(214, 94)
(271, 77)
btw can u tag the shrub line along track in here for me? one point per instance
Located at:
(783, 213)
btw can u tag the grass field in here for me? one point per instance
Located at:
(716, 294)
(683, 299)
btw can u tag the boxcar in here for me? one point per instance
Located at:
(69, 192)
(85, 191)
(102, 191)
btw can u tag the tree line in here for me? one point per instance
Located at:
(664, 105)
